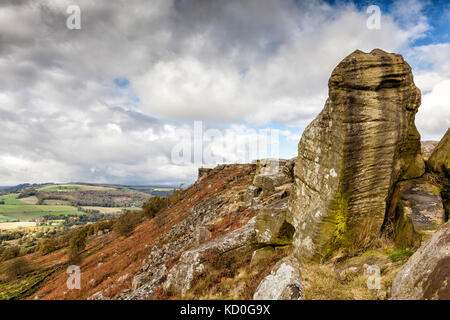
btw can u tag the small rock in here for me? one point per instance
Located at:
(92, 283)
(283, 283)
(139, 280)
(123, 277)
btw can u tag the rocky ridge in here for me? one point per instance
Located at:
(359, 196)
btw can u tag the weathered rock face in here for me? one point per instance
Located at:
(426, 275)
(420, 212)
(272, 173)
(271, 226)
(439, 160)
(283, 283)
(180, 277)
(203, 173)
(352, 154)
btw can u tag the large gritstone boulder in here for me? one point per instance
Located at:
(283, 283)
(271, 226)
(271, 173)
(426, 275)
(439, 160)
(353, 153)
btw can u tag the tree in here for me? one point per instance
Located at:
(10, 253)
(47, 246)
(78, 242)
(153, 206)
(17, 268)
(126, 223)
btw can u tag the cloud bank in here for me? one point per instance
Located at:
(106, 103)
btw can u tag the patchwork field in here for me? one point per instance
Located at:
(35, 201)
(73, 187)
(15, 225)
(22, 210)
(110, 210)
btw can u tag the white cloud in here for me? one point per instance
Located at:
(224, 62)
(432, 76)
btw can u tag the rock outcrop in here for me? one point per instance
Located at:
(283, 283)
(180, 277)
(439, 160)
(353, 153)
(420, 212)
(203, 173)
(271, 173)
(271, 226)
(426, 275)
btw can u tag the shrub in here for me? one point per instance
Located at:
(176, 196)
(153, 206)
(47, 246)
(17, 268)
(10, 253)
(103, 225)
(89, 229)
(126, 223)
(78, 242)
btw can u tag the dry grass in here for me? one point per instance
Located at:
(231, 276)
(320, 283)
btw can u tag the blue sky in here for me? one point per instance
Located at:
(110, 102)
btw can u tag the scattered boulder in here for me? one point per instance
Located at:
(179, 279)
(98, 296)
(202, 234)
(420, 212)
(139, 280)
(439, 161)
(145, 290)
(123, 277)
(271, 226)
(426, 275)
(283, 283)
(353, 153)
(249, 194)
(271, 173)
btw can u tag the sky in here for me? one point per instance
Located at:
(141, 88)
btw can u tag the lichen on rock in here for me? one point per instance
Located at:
(353, 153)
(426, 275)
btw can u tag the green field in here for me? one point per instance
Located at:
(14, 209)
